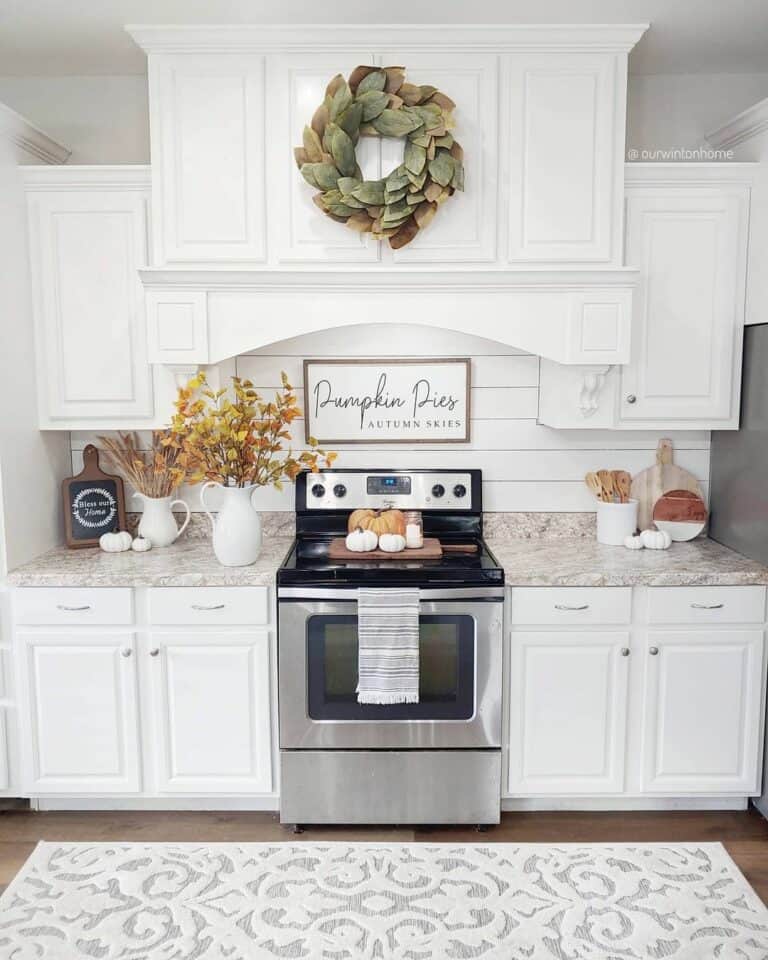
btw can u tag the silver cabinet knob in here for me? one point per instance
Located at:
(625, 651)
(654, 651)
(154, 652)
(631, 398)
(126, 652)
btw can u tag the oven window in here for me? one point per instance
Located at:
(446, 671)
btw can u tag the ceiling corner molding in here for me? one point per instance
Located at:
(271, 38)
(748, 124)
(29, 139)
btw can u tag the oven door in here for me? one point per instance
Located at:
(460, 665)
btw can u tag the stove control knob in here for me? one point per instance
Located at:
(318, 490)
(438, 490)
(339, 490)
(459, 490)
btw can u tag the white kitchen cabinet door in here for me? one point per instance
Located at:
(80, 722)
(568, 713)
(701, 712)
(565, 149)
(212, 726)
(88, 238)
(465, 229)
(689, 243)
(300, 232)
(207, 129)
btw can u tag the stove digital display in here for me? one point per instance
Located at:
(400, 486)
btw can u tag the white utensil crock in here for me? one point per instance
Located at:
(237, 528)
(615, 521)
(158, 524)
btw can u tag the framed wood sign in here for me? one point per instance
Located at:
(387, 401)
(94, 503)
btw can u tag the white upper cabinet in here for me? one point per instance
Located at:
(464, 231)
(689, 239)
(207, 130)
(88, 238)
(565, 153)
(299, 232)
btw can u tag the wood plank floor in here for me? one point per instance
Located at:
(744, 834)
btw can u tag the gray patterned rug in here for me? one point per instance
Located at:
(355, 901)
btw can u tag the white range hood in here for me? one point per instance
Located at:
(530, 255)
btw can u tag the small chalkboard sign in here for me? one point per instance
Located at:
(94, 503)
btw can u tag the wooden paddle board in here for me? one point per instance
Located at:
(651, 484)
(430, 551)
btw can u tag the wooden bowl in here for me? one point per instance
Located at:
(681, 513)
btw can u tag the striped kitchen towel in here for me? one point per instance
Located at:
(388, 640)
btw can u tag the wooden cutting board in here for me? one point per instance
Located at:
(664, 476)
(430, 551)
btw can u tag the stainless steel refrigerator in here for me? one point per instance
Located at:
(739, 473)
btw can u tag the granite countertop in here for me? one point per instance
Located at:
(587, 563)
(188, 563)
(534, 561)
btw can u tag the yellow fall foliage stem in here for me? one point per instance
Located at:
(236, 438)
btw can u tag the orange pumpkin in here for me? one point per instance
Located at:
(385, 521)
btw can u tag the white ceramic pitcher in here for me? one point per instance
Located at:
(158, 523)
(237, 528)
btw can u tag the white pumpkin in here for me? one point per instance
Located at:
(656, 539)
(116, 542)
(391, 542)
(361, 541)
(141, 545)
(633, 543)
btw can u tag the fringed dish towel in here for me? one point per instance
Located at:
(388, 638)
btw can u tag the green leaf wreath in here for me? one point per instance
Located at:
(378, 102)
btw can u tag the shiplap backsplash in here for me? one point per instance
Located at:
(526, 467)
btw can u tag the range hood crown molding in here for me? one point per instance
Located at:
(279, 38)
(570, 316)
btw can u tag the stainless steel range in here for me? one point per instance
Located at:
(435, 761)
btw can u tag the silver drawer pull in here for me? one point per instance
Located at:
(126, 652)
(707, 606)
(654, 651)
(208, 606)
(564, 606)
(625, 651)
(154, 652)
(63, 606)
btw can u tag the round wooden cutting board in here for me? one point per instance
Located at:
(651, 484)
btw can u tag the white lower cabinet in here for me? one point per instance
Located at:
(82, 730)
(701, 711)
(568, 709)
(211, 711)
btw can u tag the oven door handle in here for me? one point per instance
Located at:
(350, 594)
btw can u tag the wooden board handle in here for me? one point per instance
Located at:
(664, 452)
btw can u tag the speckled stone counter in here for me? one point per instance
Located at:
(587, 563)
(188, 563)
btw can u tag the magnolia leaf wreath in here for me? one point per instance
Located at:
(378, 102)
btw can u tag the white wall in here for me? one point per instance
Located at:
(525, 466)
(32, 464)
(105, 119)
(101, 119)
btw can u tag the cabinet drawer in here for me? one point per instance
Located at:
(62, 606)
(706, 604)
(201, 607)
(570, 606)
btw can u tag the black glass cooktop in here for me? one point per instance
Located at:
(308, 564)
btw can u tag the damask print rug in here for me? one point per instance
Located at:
(368, 901)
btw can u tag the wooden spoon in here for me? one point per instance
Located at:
(593, 482)
(606, 482)
(622, 482)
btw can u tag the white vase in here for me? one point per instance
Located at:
(158, 524)
(237, 528)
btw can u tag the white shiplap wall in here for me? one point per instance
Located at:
(526, 467)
